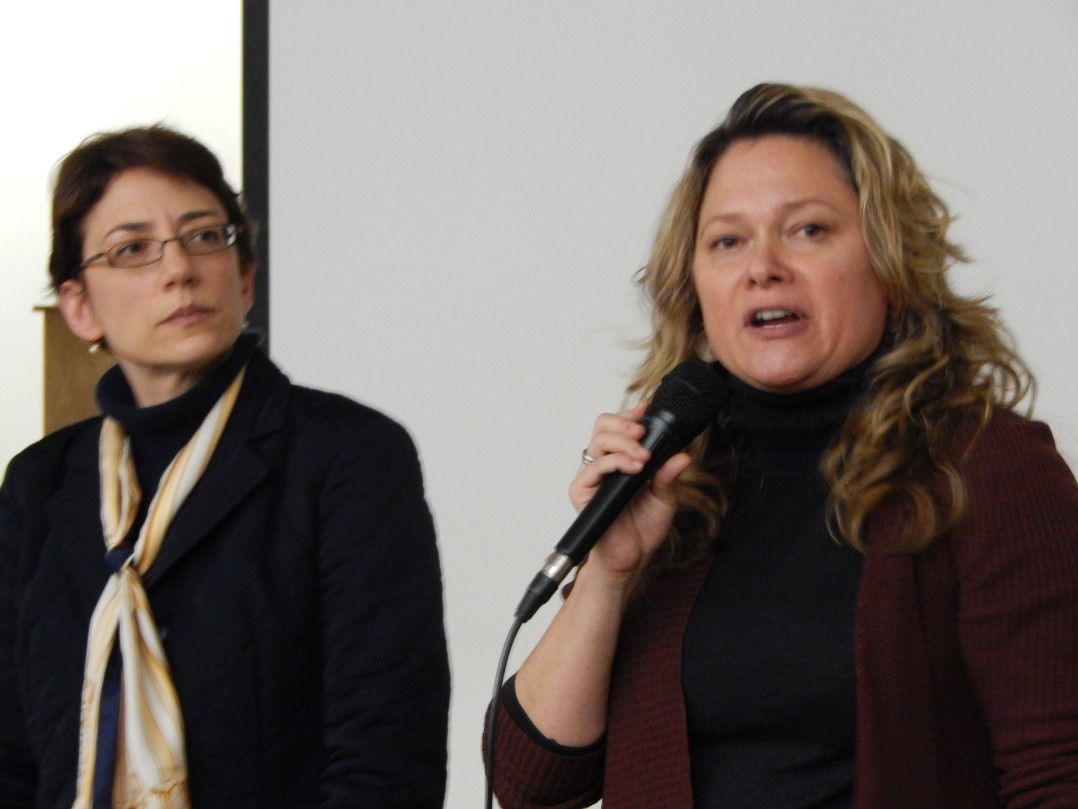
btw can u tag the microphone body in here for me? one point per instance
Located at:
(684, 404)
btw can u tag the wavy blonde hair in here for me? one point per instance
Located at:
(947, 362)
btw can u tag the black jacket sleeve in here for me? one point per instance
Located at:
(18, 775)
(386, 671)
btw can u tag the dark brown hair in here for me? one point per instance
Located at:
(85, 173)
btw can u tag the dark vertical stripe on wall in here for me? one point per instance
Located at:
(256, 148)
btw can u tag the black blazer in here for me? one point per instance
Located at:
(298, 595)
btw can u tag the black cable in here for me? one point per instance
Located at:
(492, 711)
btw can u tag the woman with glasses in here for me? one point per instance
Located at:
(225, 591)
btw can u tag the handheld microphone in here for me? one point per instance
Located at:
(685, 402)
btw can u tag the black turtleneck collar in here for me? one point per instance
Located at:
(806, 420)
(116, 399)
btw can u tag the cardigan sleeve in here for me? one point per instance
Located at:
(1016, 558)
(533, 772)
(385, 663)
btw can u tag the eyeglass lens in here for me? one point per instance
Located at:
(197, 242)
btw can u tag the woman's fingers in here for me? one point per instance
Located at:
(614, 448)
(589, 477)
(608, 443)
(617, 432)
(616, 426)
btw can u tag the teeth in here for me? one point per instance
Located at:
(766, 315)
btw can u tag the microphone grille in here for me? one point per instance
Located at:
(693, 394)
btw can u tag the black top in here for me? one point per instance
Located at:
(768, 651)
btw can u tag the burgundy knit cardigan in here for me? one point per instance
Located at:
(965, 658)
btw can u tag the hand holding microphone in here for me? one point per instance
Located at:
(629, 454)
(643, 524)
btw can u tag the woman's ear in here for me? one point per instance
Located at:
(247, 285)
(78, 312)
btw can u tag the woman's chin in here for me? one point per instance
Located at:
(778, 378)
(192, 358)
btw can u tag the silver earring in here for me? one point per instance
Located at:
(95, 346)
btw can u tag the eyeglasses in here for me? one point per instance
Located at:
(201, 241)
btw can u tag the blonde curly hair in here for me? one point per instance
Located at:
(946, 363)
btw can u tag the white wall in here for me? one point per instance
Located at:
(70, 69)
(461, 192)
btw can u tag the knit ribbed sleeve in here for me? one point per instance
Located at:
(1018, 610)
(534, 773)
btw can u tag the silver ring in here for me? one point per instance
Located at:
(585, 458)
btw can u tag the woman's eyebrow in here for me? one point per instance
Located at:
(191, 215)
(142, 227)
(125, 227)
(792, 205)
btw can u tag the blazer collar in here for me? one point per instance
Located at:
(244, 457)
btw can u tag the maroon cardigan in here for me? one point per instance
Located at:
(965, 656)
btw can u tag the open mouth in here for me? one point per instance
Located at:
(762, 318)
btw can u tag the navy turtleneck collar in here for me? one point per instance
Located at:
(157, 433)
(116, 399)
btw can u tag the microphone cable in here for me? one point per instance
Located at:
(492, 711)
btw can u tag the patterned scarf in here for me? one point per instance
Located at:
(151, 767)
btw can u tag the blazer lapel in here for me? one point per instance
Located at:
(240, 463)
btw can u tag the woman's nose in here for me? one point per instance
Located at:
(767, 264)
(177, 266)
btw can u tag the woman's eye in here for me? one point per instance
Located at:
(204, 236)
(812, 229)
(723, 242)
(131, 249)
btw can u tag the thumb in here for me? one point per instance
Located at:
(662, 483)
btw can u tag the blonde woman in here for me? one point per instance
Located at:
(859, 587)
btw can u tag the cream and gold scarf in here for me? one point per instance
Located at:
(151, 766)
